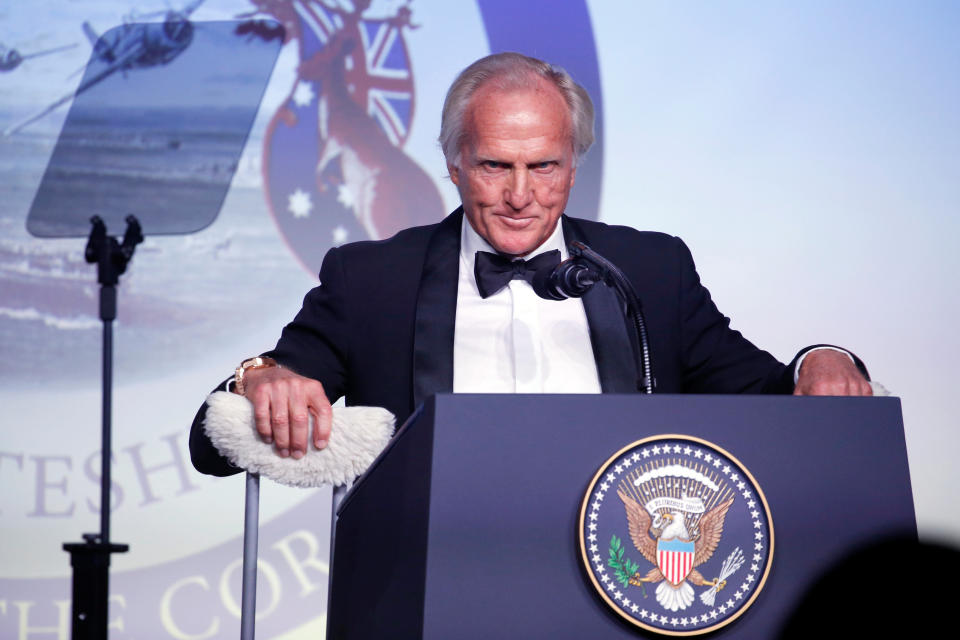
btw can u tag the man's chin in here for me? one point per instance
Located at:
(515, 247)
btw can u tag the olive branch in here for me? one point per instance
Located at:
(623, 568)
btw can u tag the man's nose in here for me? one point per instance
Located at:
(519, 190)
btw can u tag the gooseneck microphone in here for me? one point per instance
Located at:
(570, 279)
(573, 277)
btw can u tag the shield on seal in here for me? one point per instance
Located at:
(675, 559)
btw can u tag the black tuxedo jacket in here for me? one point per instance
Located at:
(379, 327)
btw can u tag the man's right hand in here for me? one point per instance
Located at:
(283, 402)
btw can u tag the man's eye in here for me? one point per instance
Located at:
(543, 166)
(492, 164)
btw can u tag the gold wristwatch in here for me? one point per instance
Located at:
(260, 362)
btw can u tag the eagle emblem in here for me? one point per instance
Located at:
(700, 523)
(673, 550)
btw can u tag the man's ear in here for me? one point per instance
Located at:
(454, 174)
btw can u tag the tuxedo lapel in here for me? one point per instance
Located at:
(436, 312)
(613, 349)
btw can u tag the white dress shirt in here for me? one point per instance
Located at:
(514, 341)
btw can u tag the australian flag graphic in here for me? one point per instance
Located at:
(334, 168)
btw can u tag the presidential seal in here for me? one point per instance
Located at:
(676, 535)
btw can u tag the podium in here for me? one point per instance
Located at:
(466, 526)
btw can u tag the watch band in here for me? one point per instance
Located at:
(259, 362)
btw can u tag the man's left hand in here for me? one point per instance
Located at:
(825, 372)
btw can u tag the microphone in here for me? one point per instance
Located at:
(570, 279)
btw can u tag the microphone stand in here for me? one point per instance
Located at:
(573, 277)
(612, 275)
(90, 559)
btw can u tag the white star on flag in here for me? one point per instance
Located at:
(339, 235)
(299, 203)
(303, 95)
(345, 196)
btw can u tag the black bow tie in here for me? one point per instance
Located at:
(494, 271)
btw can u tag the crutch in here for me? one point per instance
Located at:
(358, 436)
(251, 528)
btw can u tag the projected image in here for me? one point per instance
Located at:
(156, 128)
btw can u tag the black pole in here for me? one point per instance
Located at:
(108, 312)
(90, 559)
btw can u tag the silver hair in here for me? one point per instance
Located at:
(512, 71)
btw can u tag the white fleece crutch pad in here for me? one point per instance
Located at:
(358, 436)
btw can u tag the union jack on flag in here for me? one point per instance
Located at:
(380, 74)
(384, 78)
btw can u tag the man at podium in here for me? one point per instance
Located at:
(449, 307)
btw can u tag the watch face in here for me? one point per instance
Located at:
(258, 363)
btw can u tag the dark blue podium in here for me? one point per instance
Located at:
(466, 526)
